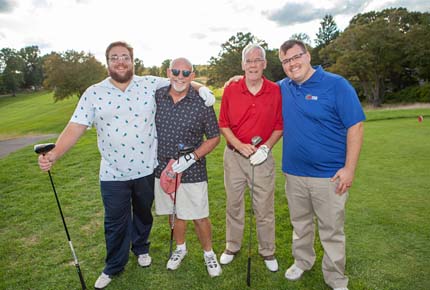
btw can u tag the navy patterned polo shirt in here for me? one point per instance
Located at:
(185, 122)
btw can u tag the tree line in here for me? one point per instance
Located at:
(385, 55)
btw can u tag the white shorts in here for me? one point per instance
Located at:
(191, 200)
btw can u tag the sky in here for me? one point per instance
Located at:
(166, 29)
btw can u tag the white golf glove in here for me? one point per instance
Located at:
(207, 96)
(260, 155)
(183, 163)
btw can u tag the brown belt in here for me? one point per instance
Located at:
(233, 149)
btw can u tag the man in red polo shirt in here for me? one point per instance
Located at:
(251, 107)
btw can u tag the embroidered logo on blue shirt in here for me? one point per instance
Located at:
(311, 98)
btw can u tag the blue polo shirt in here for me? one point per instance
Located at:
(317, 115)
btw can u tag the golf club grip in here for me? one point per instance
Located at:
(248, 273)
(81, 277)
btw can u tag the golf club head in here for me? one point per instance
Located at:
(43, 148)
(256, 140)
(184, 149)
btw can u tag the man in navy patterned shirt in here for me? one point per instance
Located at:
(182, 118)
(122, 109)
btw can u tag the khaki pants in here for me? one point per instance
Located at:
(315, 197)
(237, 176)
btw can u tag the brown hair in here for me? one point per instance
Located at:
(290, 43)
(119, 43)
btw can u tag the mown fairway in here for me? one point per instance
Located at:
(387, 227)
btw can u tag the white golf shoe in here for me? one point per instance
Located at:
(176, 259)
(214, 269)
(102, 281)
(226, 257)
(144, 260)
(341, 288)
(271, 264)
(293, 273)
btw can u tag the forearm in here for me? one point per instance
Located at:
(67, 139)
(206, 147)
(230, 137)
(353, 145)
(196, 85)
(276, 135)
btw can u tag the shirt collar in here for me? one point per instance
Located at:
(245, 88)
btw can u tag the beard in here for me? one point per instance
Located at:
(121, 78)
(179, 87)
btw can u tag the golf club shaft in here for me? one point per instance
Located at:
(172, 220)
(248, 274)
(78, 268)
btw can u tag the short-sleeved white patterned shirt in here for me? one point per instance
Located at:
(125, 123)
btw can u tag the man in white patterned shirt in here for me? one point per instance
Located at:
(122, 109)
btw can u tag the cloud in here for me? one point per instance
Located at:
(296, 13)
(302, 12)
(198, 35)
(7, 6)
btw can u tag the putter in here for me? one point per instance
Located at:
(43, 149)
(254, 141)
(182, 150)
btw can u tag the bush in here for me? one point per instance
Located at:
(420, 94)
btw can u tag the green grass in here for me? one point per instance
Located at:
(387, 224)
(33, 114)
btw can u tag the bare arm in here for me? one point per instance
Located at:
(354, 140)
(276, 135)
(67, 139)
(206, 147)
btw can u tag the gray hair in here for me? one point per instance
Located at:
(250, 47)
(181, 59)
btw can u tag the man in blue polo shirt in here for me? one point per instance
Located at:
(323, 133)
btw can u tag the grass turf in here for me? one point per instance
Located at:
(387, 225)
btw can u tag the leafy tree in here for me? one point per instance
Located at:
(139, 68)
(327, 32)
(370, 52)
(13, 67)
(164, 66)
(229, 60)
(71, 73)
(33, 71)
(153, 71)
(302, 37)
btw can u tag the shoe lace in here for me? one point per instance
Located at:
(211, 262)
(176, 255)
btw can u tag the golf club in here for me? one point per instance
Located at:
(182, 150)
(43, 149)
(254, 141)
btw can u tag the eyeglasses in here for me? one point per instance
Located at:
(176, 72)
(295, 57)
(116, 58)
(254, 61)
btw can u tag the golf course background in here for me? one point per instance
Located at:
(387, 214)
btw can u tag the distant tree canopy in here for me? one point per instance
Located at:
(382, 51)
(229, 60)
(71, 73)
(384, 54)
(20, 69)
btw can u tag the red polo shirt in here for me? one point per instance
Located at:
(249, 115)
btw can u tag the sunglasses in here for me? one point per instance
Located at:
(176, 72)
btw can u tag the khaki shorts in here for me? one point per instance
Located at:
(191, 201)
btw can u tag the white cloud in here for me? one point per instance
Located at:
(168, 28)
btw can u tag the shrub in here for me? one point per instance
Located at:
(413, 94)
